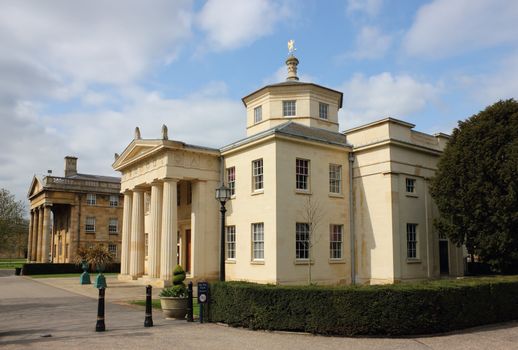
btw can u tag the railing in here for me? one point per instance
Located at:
(64, 182)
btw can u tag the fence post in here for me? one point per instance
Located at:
(148, 322)
(99, 326)
(190, 316)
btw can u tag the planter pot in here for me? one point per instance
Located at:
(175, 308)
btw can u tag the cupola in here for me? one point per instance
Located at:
(292, 100)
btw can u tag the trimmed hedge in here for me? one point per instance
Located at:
(55, 268)
(402, 309)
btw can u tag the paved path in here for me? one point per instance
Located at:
(37, 315)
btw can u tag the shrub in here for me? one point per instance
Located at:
(178, 289)
(403, 309)
(55, 268)
(178, 276)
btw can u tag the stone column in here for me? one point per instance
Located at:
(34, 243)
(40, 234)
(46, 234)
(126, 233)
(154, 234)
(198, 222)
(137, 235)
(169, 237)
(30, 238)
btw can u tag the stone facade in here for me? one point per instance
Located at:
(368, 186)
(72, 211)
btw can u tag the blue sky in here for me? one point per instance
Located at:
(77, 77)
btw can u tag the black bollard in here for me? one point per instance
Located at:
(100, 327)
(148, 322)
(190, 317)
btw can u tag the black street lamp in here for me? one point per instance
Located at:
(222, 195)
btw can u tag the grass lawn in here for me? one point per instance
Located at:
(58, 275)
(156, 305)
(11, 263)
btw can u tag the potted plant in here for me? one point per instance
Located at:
(174, 299)
(99, 257)
(81, 259)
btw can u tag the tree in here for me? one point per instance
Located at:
(476, 185)
(13, 227)
(312, 215)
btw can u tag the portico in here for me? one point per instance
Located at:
(169, 210)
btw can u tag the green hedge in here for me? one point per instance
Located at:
(402, 309)
(60, 268)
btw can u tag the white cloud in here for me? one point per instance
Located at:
(371, 44)
(231, 24)
(93, 41)
(444, 27)
(368, 7)
(56, 51)
(41, 141)
(384, 95)
(499, 84)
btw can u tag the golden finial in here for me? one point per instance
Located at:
(291, 46)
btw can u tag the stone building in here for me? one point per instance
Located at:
(368, 186)
(72, 211)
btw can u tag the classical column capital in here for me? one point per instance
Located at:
(138, 189)
(157, 182)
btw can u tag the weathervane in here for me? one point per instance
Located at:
(291, 46)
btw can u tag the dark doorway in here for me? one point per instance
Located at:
(188, 250)
(443, 257)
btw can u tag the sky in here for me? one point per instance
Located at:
(77, 77)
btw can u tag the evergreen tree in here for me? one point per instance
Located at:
(476, 185)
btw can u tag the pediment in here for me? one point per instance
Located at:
(35, 187)
(137, 150)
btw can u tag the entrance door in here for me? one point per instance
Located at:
(443, 257)
(188, 251)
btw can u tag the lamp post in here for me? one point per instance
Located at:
(222, 195)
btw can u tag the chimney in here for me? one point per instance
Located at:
(70, 166)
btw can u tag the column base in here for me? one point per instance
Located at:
(122, 277)
(154, 281)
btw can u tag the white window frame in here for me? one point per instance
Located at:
(91, 199)
(289, 108)
(114, 200)
(230, 242)
(231, 180)
(412, 251)
(112, 249)
(257, 175)
(335, 178)
(323, 110)
(336, 242)
(410, 185)
(302, 174)
(258, 241)
(301, 241)
(90, 224)
(113, 226)
(258, 114)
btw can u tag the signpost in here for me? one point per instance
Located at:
(203, 297)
